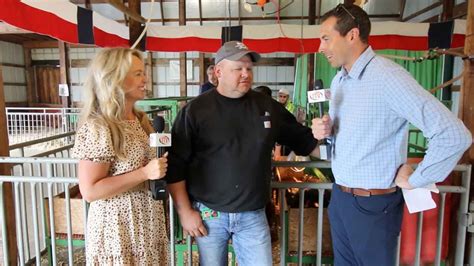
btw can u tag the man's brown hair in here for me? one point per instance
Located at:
(349, 17)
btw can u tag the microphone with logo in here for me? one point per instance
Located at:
(159, 140)
(319, 95)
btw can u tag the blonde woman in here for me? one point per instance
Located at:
(125, 225)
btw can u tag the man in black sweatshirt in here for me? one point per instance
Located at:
(219, 169)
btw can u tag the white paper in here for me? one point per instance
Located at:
(419, 199)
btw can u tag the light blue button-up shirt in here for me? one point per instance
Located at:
(371, 107)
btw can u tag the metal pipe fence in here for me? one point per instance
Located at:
(26, 124)
(30, 123)
(45, 207)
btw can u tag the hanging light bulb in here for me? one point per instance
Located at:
(247, 7)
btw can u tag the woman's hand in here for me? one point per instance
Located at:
(156, 168)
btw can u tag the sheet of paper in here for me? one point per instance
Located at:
(419, 199)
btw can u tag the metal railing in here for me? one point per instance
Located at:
(45, 178)
(462, 213)
(30, 123)
(27, 124)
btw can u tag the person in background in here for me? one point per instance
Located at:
(220, 163)
(284, 98)
(264, 89)
(211, 80)
(125, 225)
(373, 101)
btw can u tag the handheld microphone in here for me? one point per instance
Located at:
(319, 95)
(159, 140)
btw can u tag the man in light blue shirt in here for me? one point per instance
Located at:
(373, 101)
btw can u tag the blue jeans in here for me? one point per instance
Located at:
(250, 236)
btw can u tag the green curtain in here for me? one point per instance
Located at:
(428, 73)
(301, 81)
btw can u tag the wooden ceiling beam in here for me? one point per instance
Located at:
(200, 12)
(135, 27)
(402, 9)
(460, 10)
(448, 8)
(129, 12)
(388, 16)
(183, 83)
(82, 2)
(162, 13)
(422, 11)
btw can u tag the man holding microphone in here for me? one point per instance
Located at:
(373, 100)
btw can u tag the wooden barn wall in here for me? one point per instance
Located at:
(13, 70)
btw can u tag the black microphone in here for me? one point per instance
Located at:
(158, 187)
(320, 95)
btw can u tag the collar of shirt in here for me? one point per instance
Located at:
(359, 65)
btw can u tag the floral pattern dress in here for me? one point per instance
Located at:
(129, 228)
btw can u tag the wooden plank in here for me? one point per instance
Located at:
(424, 10)
(64, 72)
(52, 44)
(272, 18)
(149, 74)
(318, 15)
(183, 84)
(202, 69)
(130, 11)
(45, 62)
(467, 89)
(16, 104)
(460, 10)
(12, 65)
(264, 61)
(311, 21)
(80, 63)
(448, 8)
(7, 187)
(29, 75)
(135, 26)
(200, 12)
(174, 83)
(162, 14)
(14, 84)
(284, 61)
(402, 9)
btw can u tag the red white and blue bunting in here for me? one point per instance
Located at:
(68, 22)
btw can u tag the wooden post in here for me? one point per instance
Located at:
(467, 90)
(202, 69)
(149, 74)
(64, 72)
(29, 75)
(311, 21)
(183, 84)
(7, 187)
(135, 27)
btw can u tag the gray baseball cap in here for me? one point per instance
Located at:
(233, 51)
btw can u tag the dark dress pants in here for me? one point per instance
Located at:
(365, 230)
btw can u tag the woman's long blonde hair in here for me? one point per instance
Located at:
(104, 95)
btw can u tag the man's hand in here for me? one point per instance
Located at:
(321, 127)
(403, 174)
(192, 223)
